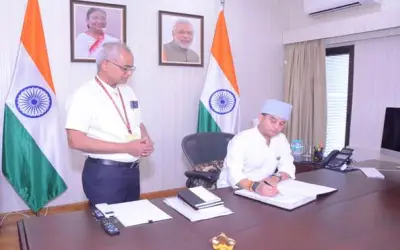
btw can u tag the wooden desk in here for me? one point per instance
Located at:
(363, 214)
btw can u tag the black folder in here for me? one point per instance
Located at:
(195, 201)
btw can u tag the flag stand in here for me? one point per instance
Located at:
(37, 214)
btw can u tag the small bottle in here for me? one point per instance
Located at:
(296, 147)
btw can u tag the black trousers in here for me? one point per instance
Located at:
(110, 184)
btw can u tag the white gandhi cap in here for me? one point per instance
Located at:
(277, 108)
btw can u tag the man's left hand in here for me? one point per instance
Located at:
(272, 180)
(147, 140)
(284, 175)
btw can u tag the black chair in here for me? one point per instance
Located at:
(205, 148)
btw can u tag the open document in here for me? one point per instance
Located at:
(137, 212)
(196, 215)
(292, 194)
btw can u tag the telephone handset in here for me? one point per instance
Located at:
(337, 158)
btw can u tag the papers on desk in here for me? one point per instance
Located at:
(198, 203)
(372, 173)
(135, 212)
(293, 194)
(303, 188)
(288, 201)
(196, 215)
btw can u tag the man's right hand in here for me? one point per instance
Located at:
(266, 190)
(139, 147)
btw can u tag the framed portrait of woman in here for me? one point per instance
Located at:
(93, 24)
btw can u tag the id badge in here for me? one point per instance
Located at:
(134, 104)
(132, 137)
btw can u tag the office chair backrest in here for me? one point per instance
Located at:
(205, 147)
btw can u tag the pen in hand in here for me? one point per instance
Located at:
(279, 192)
(268, 184)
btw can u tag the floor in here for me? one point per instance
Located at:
(8, 233)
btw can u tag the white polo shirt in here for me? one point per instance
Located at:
(91, 111)
(249, 157)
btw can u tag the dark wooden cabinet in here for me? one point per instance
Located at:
(305, 167)
(305, 164)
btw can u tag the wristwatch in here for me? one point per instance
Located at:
(254, 186)
(278, 175)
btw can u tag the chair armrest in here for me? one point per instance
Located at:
(207, 176)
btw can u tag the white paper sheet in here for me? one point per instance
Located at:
(372, 173)
(196, 215)
(303, 188)
(138, 212)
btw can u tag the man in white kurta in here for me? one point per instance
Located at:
(260, 157)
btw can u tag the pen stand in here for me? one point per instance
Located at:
(318, 155)
(223, 242)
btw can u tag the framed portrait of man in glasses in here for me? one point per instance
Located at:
(180, 39)
(94, 24)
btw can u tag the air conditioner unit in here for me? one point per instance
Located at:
(318, 7)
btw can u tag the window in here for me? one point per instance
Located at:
(339, 81)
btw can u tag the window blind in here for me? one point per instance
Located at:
(337, 81)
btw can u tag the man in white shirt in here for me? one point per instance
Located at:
(103, 121)
(260, 157)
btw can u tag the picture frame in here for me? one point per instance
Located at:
(180, 39)
(91, 25)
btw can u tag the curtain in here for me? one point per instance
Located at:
(305, 89)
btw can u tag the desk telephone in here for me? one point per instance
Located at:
(337, 158)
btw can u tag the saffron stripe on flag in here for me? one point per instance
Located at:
(221, 50)
(34, 41)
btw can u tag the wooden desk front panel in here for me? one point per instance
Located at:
(363, 214)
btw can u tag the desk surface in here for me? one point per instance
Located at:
(363, 214)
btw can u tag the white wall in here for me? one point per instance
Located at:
(255, 30)
(376, 86)
(301, 27)
(375, 32)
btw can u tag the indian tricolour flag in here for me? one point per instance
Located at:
(219, 103)
(34, 145)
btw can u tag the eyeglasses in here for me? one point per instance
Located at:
(126, 69)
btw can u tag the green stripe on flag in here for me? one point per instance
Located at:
(205, 122)
(26, 167)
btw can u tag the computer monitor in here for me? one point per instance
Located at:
(391, 133)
